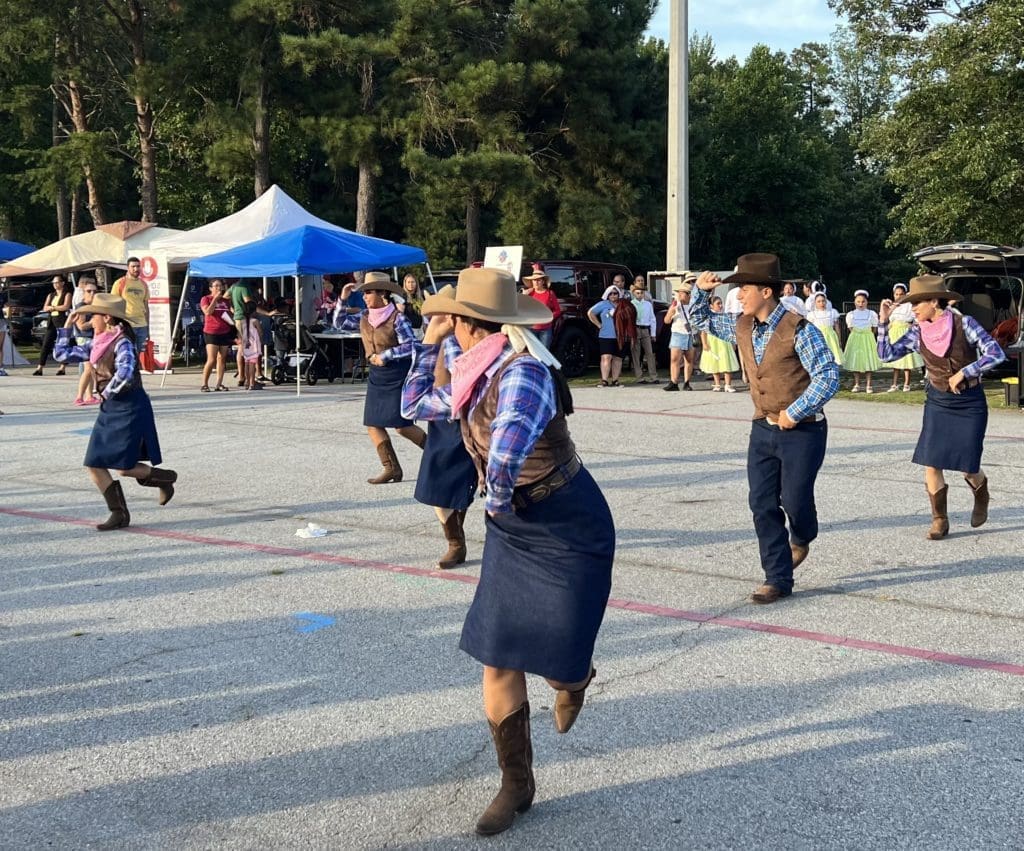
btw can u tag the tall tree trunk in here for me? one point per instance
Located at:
(472, 227)
(75, 209)
(144, 119)
(366, 196)
(261, 131)
(81, 124)
(61, 195)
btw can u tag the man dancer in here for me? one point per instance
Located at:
(792, 375)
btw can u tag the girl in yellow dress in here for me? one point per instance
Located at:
(718, 359)
(826, 320)
(900, 320)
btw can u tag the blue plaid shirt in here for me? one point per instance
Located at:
(403, 330)
(811, 348)
(990, 353)
(66, 350)
(526, 404)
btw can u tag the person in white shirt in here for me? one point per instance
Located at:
(646, 331)
(900, 320)
(681, 344)
(861, 353)
(791, 301)
(826, 320)
(817, 288)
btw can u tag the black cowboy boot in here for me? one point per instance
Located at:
(119, 516)
(515, 759)
(163, 479)
(980, 513)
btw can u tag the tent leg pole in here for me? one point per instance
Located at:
(298, 337)
(266, 350)
(174, 328)
(430, 274)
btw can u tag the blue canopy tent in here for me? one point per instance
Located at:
(306, 250)
(13, 250)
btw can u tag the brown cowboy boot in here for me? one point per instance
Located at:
(119, 516)
(980, 513)
(940, 520)
(515, 759)
(419, 438)
(392, 469)
(456, 538)
(569, 703)
(163, 479)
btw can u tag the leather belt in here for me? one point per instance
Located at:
(813, 418)
(557, 478)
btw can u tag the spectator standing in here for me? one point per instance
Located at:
(540, 290)
(956, 351)
(80, 323)
(646, 331)
(900, 320)
(860, 356)
(57, 305)
(602, 315)
(251, 346)
(681, 343)
(413, 295)
(135, 293)
(218, 334)
(718, 359)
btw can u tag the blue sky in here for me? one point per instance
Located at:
(736, 26)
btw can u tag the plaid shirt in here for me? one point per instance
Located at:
(811, 348)
(990, 353)
(65, 350)
(403, 330)
(526, 404)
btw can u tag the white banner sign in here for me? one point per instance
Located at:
(506, 257)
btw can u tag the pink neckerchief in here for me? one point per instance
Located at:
(377, 316)
(470, 365)
(101, 344)
(937, 335)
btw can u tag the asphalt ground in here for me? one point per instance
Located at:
(207, 679)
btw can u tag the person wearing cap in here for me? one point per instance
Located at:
(124, 434)
(646, 333)
(540, 289)
(900, 320)
(447, 477)
(859, 355)
(680, 345)
(792, 375)
(549, 535)
(956, 351)
(388, 340)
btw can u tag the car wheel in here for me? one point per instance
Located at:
(572, 352)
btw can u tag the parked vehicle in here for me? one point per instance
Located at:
(579, 285)
(23, 303)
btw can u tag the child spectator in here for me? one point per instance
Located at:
(860, 355)
(718, 358)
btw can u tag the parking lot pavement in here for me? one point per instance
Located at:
(207, 678)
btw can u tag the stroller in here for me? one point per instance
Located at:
(309, 355)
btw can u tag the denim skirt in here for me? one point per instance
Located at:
(544, 584)
(124, 433)
(383, 406)
(447, 476)
(953, 433)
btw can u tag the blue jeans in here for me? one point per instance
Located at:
(141, 338)
(781, 469)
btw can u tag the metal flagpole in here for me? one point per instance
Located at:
(174, 328)
(677, 249)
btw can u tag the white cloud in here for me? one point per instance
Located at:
(736, 26)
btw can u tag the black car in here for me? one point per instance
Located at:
(24, 301)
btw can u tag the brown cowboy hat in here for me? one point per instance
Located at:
(925, 288)
(379, 281)
(489, 295)
(756, 269)
(104, 304)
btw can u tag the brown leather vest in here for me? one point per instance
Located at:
(554, 447)
(779, 380)
(381, 338)
(960, 354)
(104, 368)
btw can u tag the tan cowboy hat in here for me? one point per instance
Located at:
(379, 281)
(756, 269)
(538, 273)
(927, 287)
(489, 295)
(105, 304)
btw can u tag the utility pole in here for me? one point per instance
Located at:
(677, 249)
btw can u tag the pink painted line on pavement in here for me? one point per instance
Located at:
(651, 609)
(831, 424)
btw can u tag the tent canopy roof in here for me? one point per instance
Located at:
(272, 213)
(307, 250)
(10, 250)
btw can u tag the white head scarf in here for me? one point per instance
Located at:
(610, 290)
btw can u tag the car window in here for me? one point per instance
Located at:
(563, 281)
(592, 283)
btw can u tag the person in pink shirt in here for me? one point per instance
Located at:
(541, 291)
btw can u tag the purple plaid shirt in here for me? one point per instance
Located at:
(403, 330)
(526, 404)
(65, 350)
(990, 353)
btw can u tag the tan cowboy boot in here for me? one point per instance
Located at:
(392, 469)
(515, 759)
(569, 703)
(163, 479)
(119, 516)
(456, 537)
(940, 520)
(980, 512)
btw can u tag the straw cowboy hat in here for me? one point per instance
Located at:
(379, 281)
(489, 295)
(104, 304)
(538, 273)
(925, 288)
(756, 269)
